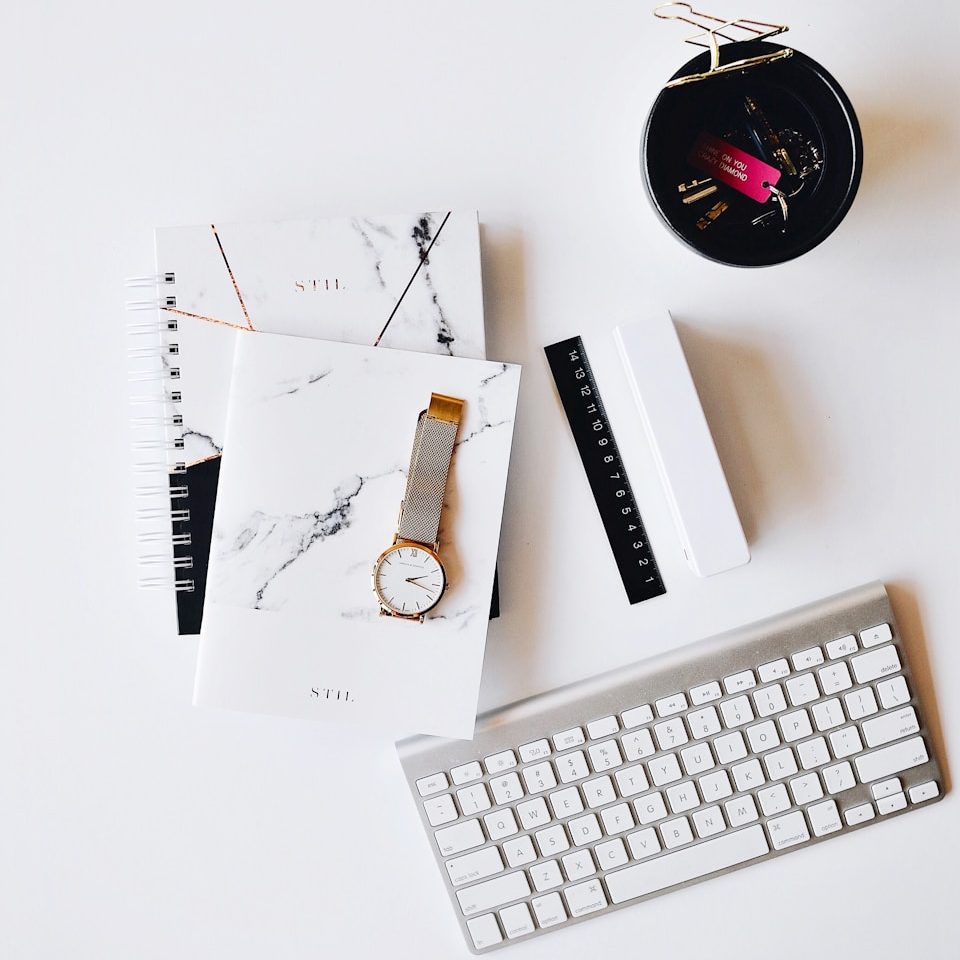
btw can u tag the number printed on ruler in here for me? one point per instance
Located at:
(604, 468)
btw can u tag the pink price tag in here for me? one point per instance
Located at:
(730, 165)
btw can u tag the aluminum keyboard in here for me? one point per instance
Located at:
(736, 749)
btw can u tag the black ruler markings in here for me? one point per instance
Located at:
(605, 470)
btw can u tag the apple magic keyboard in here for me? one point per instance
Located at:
(733, 750)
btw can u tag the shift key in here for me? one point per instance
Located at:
(492, 893)
(891, 760)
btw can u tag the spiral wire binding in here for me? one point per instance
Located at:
(157, 426)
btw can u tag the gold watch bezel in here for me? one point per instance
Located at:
(385, 606)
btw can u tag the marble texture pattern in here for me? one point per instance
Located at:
(317, 445)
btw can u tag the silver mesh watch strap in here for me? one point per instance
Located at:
(429, 464)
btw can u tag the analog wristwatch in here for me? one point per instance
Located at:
(408, 577)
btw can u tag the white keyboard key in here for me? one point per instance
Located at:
(774, 800)
(611, 854)
(533, 813)
(763, 736)
(539, 777)
(859, 814)
(780, 764)
(500, 824)
(552, 840)
(599, 791)
(828, 714)
(705, 693)
(459, 837)
(722, 852)
(738, 682)
(664, 769)
(890, 726)
(432, 784)
(549, 910)
(730, 747)
(884, 788)
(924, 791)
(736, 712)
(572, 766)
(802, 689)
(569, 738)
(682, 797)
(749, 775)
(519, 851)
(806, 789)
(638, 745)
(842, 647)
(546, 875)
(862, 703)
(776, 670)
(632, 780)
(788, 831)
(813, 753)
(506, 789)
(890, 760)
(484, 931)
(602, 727)
(838, 777)
(534, 751)
(668, 706)
(644, 843)
(834, 678)
(516, 920)
(650, 808)
(585, 830)
(566, 803)
(703, 723)
(824, 818)
(493, 893)
(769, 700)
(845, 742)
(585, 898)
(876, 635)
(876, 664)
(671, 734)
(578, 865)
(740, 810)
(474, 866)
(676, 833)
(473, 799)
(498, 762)
(715, 786)
(440, 810)
(697, 759)
(795, 726)
(467, 773)
(605, 756)
(893, 692)
(807, 658)
(708, 821)
(636, 716)
(891, 804)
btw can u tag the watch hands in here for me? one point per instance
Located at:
(413, 580)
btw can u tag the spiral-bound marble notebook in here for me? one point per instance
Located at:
(408, 281)
(318, 441)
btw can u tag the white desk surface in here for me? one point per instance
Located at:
(138, 826)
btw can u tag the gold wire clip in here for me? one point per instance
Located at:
(712, 32)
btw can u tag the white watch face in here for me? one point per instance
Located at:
(409, 580)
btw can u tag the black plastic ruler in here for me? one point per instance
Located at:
(604, 468)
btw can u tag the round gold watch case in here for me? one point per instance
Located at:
(386, 608)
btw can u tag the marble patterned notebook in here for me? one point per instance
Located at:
(318, 441)
(408, 281)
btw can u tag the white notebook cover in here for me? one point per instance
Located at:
(318, 441)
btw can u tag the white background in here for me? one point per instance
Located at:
(137, 826)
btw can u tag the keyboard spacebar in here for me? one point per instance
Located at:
(688, 864)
